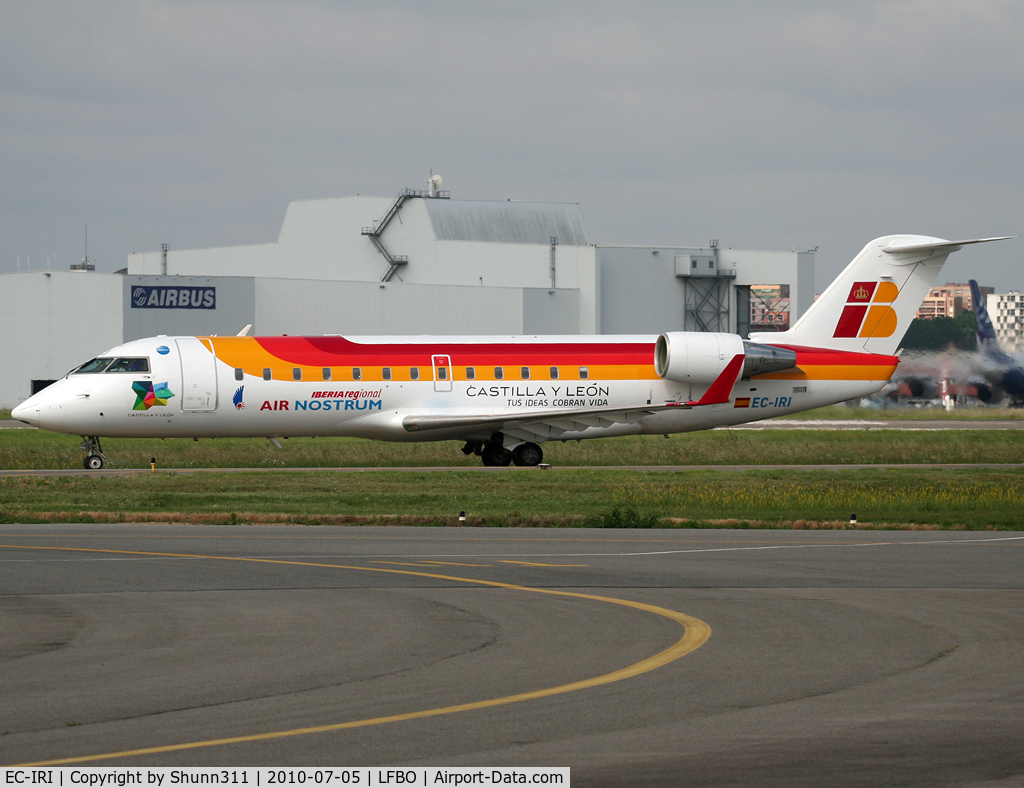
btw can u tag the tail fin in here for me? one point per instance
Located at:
(869, 307)
(986, 332)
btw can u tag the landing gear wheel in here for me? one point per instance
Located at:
(527, 454)
(94, 459)
(496, 456)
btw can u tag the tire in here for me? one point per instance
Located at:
(527, 454)
(93, 462)
(495, 456)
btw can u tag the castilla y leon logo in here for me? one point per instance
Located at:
(148, 395)
(237, 399)
(867, 312)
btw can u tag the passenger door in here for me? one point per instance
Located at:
(198, 374)
(442, 373)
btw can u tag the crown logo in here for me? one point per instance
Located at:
(861, 294)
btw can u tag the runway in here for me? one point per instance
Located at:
(647, 658)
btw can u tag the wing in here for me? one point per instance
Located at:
(538, 424)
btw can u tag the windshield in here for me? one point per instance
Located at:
(113, 365)
(96, 365)
(130, 365)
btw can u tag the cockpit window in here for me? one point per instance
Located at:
(129, 365)
(96, 365)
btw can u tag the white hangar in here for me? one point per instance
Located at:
(420, 263)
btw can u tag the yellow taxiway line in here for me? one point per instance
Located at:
(696, 633)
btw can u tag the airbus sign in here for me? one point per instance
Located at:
(163, 297)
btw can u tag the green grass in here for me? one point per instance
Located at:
(978, 413)
(24, 449)
(970, 499)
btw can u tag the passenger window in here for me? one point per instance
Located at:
(386, 373)
(525, 372)
(470, 373)
(554, 373)
(414, 373)
(239, 374)
(129, 365)
(327, 373)
(296, 374)
(266, 373)
(584, 373)
(499, 373)
(442, 373)
(94, 366)
(357, 373)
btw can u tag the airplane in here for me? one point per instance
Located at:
(502, 397)
(1003, 376)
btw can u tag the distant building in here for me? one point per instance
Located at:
(1007, 313)
(949, 300)
(769, 307)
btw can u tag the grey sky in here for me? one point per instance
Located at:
(766, 125)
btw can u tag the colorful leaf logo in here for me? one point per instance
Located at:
(148, 395)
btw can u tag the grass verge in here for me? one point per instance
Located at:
(892, 498)
(28, 449)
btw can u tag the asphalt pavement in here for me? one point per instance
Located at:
(653, 658)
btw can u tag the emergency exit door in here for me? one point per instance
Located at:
(198, 375)
(442, 373)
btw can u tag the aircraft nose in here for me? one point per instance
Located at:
(27, 411)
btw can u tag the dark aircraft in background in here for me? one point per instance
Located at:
(1002, 376)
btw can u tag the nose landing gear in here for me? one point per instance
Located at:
(96, 458)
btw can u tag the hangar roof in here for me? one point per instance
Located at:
(507, 222)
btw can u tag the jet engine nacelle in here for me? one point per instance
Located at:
(694, 356)
(698, 357)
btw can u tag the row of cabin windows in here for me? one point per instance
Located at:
(414, 373)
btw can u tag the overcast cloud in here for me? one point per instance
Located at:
(765, 125)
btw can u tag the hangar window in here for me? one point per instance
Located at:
(296, 374)
(499, 373)
(239, 374)
(584, 373)
(470, 373)
(554, 373)
(327, 373)
(525, 372)
(414, 373)
(129, 365)
(386, 373)
(266, 373)
(357, 373)
(94, 366)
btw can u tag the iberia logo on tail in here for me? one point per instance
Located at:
(867, 312)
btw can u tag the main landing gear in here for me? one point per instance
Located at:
(494, 454)
(96, 458)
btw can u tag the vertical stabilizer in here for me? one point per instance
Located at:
(987, 341)
(870, 306)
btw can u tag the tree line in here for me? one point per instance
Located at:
(940, 333)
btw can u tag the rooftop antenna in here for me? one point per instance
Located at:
(86, 264)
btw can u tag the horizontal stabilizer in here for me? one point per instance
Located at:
(903, 245)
